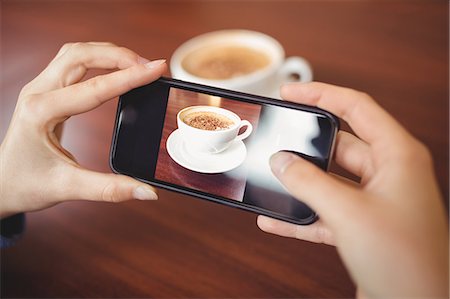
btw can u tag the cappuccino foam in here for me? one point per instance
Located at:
(206, 120)
(224, 62)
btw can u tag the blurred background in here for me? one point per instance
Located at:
(397, 51)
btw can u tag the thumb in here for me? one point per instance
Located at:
(90, 185)
(330, 198)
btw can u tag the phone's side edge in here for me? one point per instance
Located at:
(114, 138)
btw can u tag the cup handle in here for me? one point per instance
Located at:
(247, 132)
(295, 66)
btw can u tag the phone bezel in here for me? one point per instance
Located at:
(239, 96)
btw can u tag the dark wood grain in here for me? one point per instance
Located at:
(180, 246)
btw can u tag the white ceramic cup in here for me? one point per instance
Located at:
(211, 142)
(264, 81)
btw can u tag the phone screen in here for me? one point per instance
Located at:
(218, 145)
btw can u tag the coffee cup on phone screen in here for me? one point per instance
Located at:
(209, 129)
(241, 60)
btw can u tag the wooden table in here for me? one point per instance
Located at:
(180, 246)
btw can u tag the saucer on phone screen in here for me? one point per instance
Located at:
(224, 161)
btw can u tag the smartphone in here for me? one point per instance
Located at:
(215, 144)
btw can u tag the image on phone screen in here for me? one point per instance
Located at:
(216, 144)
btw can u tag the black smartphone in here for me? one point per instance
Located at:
(215, 144)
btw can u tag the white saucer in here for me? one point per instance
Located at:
(224, 161)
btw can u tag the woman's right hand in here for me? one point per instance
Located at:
(390, 230)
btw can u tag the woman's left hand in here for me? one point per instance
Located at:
(36, 171)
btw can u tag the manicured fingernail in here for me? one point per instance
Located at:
(142, 60)
(144, 193)
(280, 161)
(154, 63)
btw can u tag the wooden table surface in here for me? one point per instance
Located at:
(181, 246)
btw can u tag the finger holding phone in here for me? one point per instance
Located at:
(390, 230)
(37, 172)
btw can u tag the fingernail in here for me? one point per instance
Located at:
(280, 161)
(142, 60)
(154, 63)
(144, 193)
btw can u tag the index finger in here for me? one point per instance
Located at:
(316, 232)
(74, 60)
(367, 119)
(89, 94)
